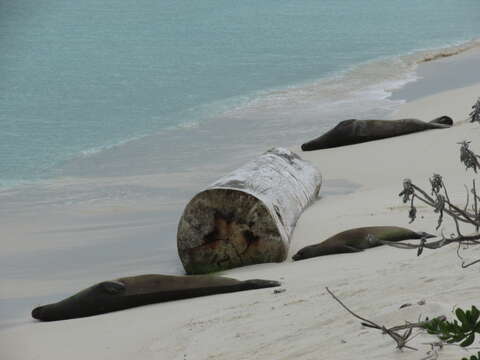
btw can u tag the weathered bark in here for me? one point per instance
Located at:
(248, 216)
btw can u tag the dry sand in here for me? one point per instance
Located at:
(304, 322)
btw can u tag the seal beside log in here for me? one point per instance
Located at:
(354, 131)
(247, 217)
(141, 290)
(358, 239)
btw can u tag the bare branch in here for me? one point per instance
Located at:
(467, 240)
(470, 264)
(371, 323)
(457, 226)
(475, 204)
(453, 210)
(400, 339)
(468, 199)
(435, 347)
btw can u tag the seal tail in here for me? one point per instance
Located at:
(260, 284)
(443, 120)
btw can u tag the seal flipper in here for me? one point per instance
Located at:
(443, 120)
(349, 249)
(112, 287)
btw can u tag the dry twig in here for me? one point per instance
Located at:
(435, 347)
(400, 339)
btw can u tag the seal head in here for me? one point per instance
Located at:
(91, 301)
(307, 253)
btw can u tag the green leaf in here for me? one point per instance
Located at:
(475, 314)
(477, 328)
(473, 357)
(459, 337)
(461, 315)
(469, 340)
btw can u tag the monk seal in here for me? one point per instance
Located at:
(359, 239)
(354, 131)
(140, 290)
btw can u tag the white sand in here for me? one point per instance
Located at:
(304, 322)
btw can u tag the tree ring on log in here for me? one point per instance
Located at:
(241, 231)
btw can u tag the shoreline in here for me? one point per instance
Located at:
(392, 74)
(446, 73)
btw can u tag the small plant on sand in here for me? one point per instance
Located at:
(461, 330)
(475, 114)
(473, 357)
(439, 200)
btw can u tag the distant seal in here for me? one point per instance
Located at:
(140, 290)
(354, 131)
(359, 239)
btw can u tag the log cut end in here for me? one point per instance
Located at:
(226, 228)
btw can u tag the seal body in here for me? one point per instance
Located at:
(140, 290)
(354, 131)
(358, 239)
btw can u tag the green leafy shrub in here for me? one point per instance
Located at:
(473, 357)
(462, 329)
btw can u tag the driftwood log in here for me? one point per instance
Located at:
(248, 216)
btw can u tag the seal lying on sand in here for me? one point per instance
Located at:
(358, 239)
(140, 290)
(354, 131)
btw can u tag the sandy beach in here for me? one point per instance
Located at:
(361, 188)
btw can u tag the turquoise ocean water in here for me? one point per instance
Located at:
(80, 77)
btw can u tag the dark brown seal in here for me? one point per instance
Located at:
(358, 239)
(140, 290)
(354, 131)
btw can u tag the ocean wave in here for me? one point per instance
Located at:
(436, 54)
(368, 84)
(97, 149)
